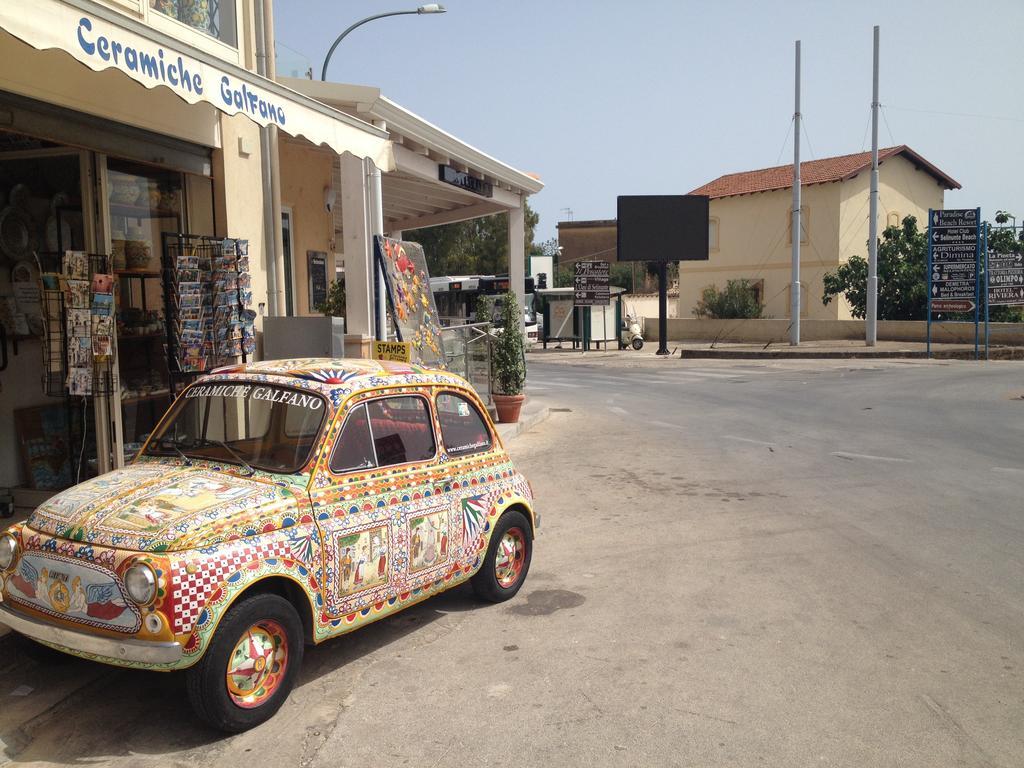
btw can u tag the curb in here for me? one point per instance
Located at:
(739, 354)
(523, 425)
(1009, 353)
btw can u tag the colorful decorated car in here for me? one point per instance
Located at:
(275, 504)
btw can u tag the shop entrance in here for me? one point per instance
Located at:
(53, 199)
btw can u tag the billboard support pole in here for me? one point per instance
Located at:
(928, 346)
(984, 252)
(662, 308)
(794, 301)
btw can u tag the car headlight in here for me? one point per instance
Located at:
(8, 551)
(140, 583)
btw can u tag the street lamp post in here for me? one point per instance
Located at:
(423, 9)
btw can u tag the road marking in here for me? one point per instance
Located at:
(749, 440)
(618, 410)
(869, 457)
(1007, 469)
(549, 383)
(665, 424)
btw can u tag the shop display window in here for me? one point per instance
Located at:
(144, 203)
(212, 17)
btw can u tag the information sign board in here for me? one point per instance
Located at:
(590, 284)
(1005, 279)
(954, 250)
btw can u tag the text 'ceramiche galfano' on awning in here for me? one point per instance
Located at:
(175, 72)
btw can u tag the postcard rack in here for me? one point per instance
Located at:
(207, 298)
(77, 298)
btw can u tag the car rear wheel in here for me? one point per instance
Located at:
(508, 559)
(251, 664)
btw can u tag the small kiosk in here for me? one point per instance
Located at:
(583, 326)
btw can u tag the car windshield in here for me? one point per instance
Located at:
(256, 426)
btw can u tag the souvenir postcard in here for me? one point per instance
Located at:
(79, 352)
(242, 247)
(76, 265)
(102, 346)
(185, 261)
(80, 381)
(102, 303)
(102, 325)
(78, 322)
(102, 283)
(243, 263)
(77, 293)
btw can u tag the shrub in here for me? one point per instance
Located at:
(739, 300)
(509, 357)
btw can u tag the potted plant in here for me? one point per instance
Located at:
(509, 362)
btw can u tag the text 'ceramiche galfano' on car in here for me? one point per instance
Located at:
(275, 504)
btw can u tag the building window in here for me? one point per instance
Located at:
(893, 219)
(758, 287)
(215, 18)
(805, 225)
(713, 233)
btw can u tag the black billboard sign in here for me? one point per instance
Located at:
(590, 284)
(662, 228)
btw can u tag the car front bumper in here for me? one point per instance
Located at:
(112, 648)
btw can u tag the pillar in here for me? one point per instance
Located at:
(357, 245)
(517, 256)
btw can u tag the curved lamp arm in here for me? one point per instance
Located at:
(429, 8)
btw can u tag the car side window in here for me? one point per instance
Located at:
(354, 447)
(463, 429)
(402, 430)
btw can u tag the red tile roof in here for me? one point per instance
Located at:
(815, 172)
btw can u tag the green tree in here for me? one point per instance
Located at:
(902, 282)
(509, 357)
(739, 300)
(474, 247)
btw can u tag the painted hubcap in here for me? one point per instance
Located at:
(257, 665)
(508, 562)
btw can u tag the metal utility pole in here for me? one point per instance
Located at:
(871, 326)
(794, 302)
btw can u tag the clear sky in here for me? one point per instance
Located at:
(657, 97)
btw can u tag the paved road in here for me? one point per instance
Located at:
(789, 564)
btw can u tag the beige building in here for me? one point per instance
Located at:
(138, 131)
(750, 225)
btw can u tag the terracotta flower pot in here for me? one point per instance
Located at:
(508, 407)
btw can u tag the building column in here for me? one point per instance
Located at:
(517, 256)
(357, 246)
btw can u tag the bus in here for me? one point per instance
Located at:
(455, 298)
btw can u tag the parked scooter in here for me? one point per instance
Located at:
(629, 333)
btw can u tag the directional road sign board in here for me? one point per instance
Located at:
(590, 284)
(953, 241)
(952, 305)
(1005, 279)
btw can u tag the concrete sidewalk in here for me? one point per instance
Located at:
(824, 350)
(535, 410)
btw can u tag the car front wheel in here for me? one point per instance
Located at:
(508, 559)
(251, 664)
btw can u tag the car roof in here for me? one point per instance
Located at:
(347, 374)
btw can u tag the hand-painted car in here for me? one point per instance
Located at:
(275, 504)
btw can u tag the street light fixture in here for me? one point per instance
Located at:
(423, 9)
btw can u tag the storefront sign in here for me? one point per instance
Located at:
(449, 175)
(101, 42)
(317, 278)
(395, 351)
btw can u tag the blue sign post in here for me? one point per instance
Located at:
(954, 248)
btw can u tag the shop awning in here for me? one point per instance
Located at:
(103, 39)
